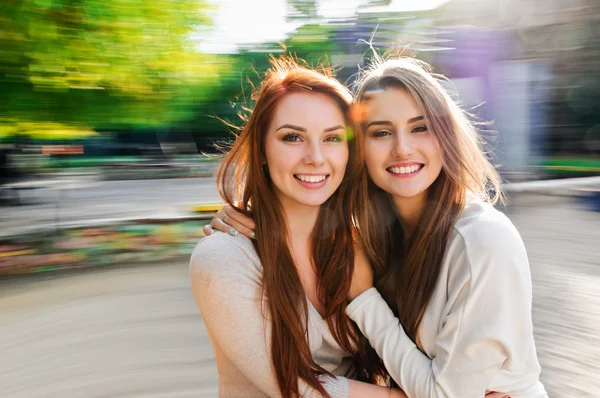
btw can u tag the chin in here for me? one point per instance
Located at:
(406, 193)
(313, 201)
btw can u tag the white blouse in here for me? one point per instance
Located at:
(477, 331)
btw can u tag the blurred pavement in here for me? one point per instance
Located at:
(104, 200)
(113, 332)
(136, 331)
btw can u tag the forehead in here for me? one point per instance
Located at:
(393, 104)
(310, 110)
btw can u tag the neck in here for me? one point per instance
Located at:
(300, 222)
(409, 211)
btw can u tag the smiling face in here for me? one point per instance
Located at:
(306, 149)
(402, 154)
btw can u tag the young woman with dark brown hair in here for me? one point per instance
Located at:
(456, 318)
(274, 307)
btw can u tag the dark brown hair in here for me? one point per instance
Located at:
(407, 271)
(244, 184)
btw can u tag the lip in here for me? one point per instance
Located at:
(405, 164)
(312, 185)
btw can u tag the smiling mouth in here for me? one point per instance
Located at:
(311, 178)
(406, 170)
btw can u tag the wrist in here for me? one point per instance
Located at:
(357, 292)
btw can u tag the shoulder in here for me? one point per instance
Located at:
(224, 255)
(485, 241)
(483, 228)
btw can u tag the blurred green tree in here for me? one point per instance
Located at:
(311, 43)
(104, 63)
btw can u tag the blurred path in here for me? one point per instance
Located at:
(117, 332)
(136, 332)
(563, 244)
(103, 200)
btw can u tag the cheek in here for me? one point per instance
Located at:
(372, 161)
(436, 153)
(435, 156)
(369, 151)
(373, 156)
(429, 146)
(279, 157)
(269, 151)
(343, 157)
(337, 157)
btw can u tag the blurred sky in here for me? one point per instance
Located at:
(248, 22)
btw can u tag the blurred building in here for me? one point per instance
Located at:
(530, 67)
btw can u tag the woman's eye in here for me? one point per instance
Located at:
(419, 129)
(334, 138)
(291, 137)
(380, 133)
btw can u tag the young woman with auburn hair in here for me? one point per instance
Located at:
(274, 307)
(441, 285)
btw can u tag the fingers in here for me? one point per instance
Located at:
(241, 228)
(227, 218)
(207, 229)
(220, 214)
(219, 225)
(240, 218)
(217, 221)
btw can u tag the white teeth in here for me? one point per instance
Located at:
(306, 178)
(404, 170)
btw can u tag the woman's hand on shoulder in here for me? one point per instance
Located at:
(362, 276)
(230, 221)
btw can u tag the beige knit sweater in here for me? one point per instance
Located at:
(226, 276)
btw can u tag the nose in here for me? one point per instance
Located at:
(314, 154)
(402, 145)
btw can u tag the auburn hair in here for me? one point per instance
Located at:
(244, 183)
(407, 270)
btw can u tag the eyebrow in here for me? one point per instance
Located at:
(379, 123)
(334, 128)
(291, 126)
(415, 119)
(298, 128)
(388, 123)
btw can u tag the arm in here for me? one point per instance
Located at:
(360, 390)
(487, 323)
(225, 285)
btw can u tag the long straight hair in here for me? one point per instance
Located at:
(245, 184)
(407, 271)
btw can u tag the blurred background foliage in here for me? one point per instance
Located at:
(135, 71)
(100, 65)
(103, 64)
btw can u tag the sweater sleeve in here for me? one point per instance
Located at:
(225, 283)
(486, 321)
